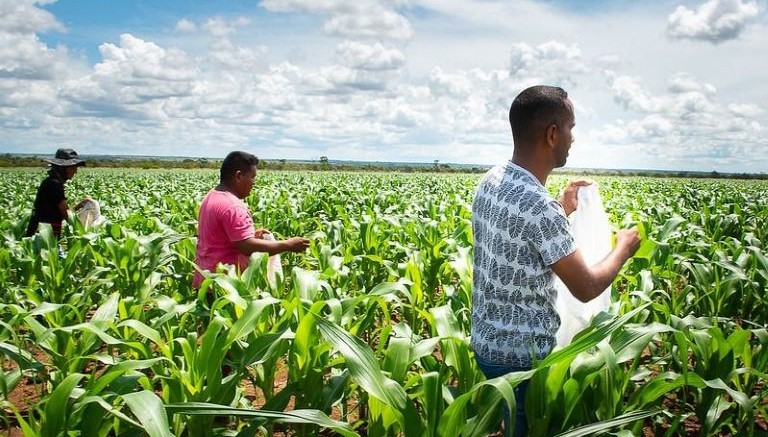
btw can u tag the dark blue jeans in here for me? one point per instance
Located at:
(493, 370)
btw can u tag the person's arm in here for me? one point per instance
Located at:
(587, 282)
(271, 247)
(63, 208)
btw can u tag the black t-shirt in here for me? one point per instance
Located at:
(46, 208)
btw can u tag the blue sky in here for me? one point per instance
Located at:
(672, 85)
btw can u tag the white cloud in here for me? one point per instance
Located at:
(457, 84)
(746, 110)
(369, 57)
(337, 79)
(687, 125)
(136, 59)
(630, 94)
(22, 54)
(687, 98)
(685, 83)
(222, 48)
(715, 21)
(550, 62)
(362, 18)
(409, 80)
(132, 81)
(376, 23)
(233, 57)
(493, 14)
(185, 26)
(26, 17)
(17, 94)
(30, 69)
(221, 27)
(311, 6)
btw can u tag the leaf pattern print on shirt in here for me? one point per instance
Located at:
(519, 231)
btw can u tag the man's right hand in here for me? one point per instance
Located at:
(587, 282)
(628, 240)
(296, 244)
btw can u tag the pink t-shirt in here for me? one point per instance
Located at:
(223, 220)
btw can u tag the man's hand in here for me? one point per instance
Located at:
(296, 244)
(82, 203)
(569, 199)
(628, 240)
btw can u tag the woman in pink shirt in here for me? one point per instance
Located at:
(225, 231)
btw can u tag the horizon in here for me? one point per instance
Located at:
(370, 80)
(566, 168)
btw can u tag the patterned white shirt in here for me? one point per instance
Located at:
(519, 232)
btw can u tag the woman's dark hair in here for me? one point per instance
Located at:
(234, 162)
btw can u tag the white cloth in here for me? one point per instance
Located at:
(592, 232)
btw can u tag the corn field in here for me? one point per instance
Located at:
(367, 333)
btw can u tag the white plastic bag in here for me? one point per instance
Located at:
(273, 263)
(592, 232)
(89, 213)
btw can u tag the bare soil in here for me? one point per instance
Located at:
(24, 396)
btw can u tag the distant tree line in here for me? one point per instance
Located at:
(9, 160)
(664, 174)
(324, 164)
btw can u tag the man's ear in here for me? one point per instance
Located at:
(552, 133)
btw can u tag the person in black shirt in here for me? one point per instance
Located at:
(50, 202)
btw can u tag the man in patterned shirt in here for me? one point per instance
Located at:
(522, 240)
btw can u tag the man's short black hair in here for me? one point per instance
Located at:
(536, 108)
(234, 162)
